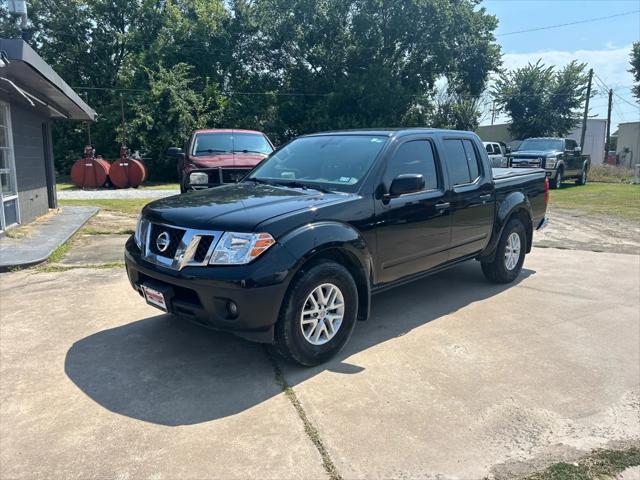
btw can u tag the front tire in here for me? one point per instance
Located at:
(557, 183)
(509, 256)
(318, 314)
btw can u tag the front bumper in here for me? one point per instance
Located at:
(202, 294)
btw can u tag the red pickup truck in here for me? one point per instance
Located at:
(217, 156)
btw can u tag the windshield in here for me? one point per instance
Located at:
(336, 162)
(540, 144)
(228, 142)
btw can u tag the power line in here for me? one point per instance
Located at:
(617, 94)
(588, 20)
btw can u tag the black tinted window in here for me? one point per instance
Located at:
(571, 144)
(472, 159)
(489, 148)
(340, 161)
(456, 160)
(414, 157)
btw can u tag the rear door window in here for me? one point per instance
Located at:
(462, 161)
(472, 159)
(489, 148)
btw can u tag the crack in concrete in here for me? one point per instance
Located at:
(309, 428)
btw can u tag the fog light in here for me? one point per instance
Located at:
(198, 178)
(232, 308)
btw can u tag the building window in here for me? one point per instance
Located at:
(9, 212)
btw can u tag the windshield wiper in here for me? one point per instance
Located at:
(210, 150)
(303, 186)
(249, 151)
(257, 180)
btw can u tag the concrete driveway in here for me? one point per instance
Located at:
(452, 377)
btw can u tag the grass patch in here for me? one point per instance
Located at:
(611, 174)
(66, 186)
(309, 428)
(618, 200)
(598, 464)
(123, 205)
(24, 231)
(59, 253)
(50, 268)
(97, 231)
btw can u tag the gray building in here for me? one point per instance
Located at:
(32, 95)
(628, 148)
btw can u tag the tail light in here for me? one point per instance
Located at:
(546, 191)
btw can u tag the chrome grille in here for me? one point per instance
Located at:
(187, 246)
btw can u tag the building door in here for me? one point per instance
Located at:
(9, 212)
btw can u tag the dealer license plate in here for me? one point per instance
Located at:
(154, 297)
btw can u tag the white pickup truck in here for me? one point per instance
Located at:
(497, 154)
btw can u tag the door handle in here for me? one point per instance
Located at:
(486, 196)
(442, 206)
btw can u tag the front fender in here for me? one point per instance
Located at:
(315, 239)
(513, 202)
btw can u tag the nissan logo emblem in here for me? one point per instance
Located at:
(162, 242)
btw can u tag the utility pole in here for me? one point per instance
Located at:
(493, 112)
(607, 145)
(586, 111)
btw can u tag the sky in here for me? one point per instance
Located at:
(604, 45)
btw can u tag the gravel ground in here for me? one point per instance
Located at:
(124, 193)
(576, 230)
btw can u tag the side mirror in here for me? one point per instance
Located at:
(577, 150)
(507, 149)
(175, 152)
(406, 183)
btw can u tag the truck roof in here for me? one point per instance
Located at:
(227, 130)
(389, 132)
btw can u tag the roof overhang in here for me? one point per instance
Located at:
(30, 80)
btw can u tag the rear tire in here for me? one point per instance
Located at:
(509, 255)
(583, 177)
(298, 338)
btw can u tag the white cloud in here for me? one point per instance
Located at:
(611, 65)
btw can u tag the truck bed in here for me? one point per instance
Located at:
(507, 173)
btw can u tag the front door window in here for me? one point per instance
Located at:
(9, 213)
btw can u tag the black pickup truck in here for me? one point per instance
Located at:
(561, 159)
(292, 253)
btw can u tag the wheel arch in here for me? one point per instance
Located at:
(515, 205)
(336, 242)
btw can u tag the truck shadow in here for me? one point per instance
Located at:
(166, 371)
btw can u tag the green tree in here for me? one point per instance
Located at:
(542, 101)
(363, 63)
(456, 111)
(168, 114)
(635, 69)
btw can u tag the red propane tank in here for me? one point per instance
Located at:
(127, 172)
(90, 172)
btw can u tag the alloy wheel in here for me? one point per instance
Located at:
(322, 314)
(512, 251)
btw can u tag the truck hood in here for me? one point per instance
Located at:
(533, 153)
(227, 160)
(236, 207)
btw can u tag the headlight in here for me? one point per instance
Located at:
(198, 178)
(550, 162)
(240, 248)
(141, 231)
